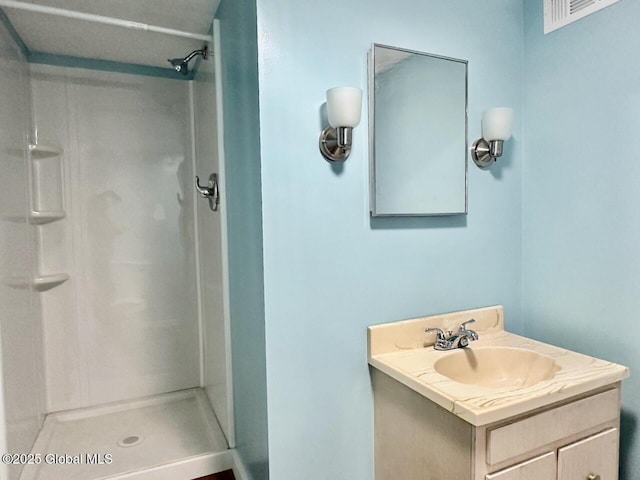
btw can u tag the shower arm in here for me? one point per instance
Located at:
(203, 52)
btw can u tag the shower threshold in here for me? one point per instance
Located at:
(174, 435)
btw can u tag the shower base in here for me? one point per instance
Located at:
(174, 435)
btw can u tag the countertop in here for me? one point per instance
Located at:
(405, 352)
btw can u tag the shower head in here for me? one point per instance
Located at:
(181, 65)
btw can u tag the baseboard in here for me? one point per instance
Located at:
(239, 470)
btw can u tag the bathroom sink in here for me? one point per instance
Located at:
(496, 367)
(497, 377)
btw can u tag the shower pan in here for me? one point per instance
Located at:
(124, 313)
(127, 437)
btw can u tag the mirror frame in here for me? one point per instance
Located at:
(372, 129)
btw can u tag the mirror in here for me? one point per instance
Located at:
(418, 133)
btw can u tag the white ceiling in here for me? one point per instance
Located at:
(63, 36)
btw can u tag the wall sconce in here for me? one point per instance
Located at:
(344, 106)
(496, 128)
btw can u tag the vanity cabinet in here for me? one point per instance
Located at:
(416, 439)
(593, 458)
(539, 468)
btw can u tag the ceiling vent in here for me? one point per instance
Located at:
(558, 13)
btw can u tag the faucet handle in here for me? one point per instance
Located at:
(463, 329)
(439, 332)
(463, 325)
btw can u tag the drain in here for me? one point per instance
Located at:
(130, 441)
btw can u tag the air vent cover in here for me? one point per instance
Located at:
(558, 13)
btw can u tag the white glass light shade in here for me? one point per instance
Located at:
(344, 106)
(496, 123)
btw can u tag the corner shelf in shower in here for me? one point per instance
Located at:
(41, 151)
(48, 184)
(37, 217)
(47, 203)
(40, 283)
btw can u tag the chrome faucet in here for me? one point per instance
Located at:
(451, 341)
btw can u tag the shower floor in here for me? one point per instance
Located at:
(104, 442)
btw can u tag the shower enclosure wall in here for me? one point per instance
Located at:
(22, 405)
(134, 307)
(126, 323)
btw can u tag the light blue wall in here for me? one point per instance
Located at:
(330, 271)
(581, 238)
(242, 152)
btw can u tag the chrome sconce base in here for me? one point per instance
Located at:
(485, 153)
(335, 143)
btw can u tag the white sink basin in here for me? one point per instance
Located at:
(496, 367)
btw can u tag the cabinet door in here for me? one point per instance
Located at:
(539, 468)
(589, 458)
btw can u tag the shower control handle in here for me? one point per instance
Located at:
(205, 192)
(210, 192)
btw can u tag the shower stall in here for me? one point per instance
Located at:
(115, 329)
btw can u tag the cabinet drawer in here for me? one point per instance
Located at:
(545, 428)
(539, 468)
(597, 455)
